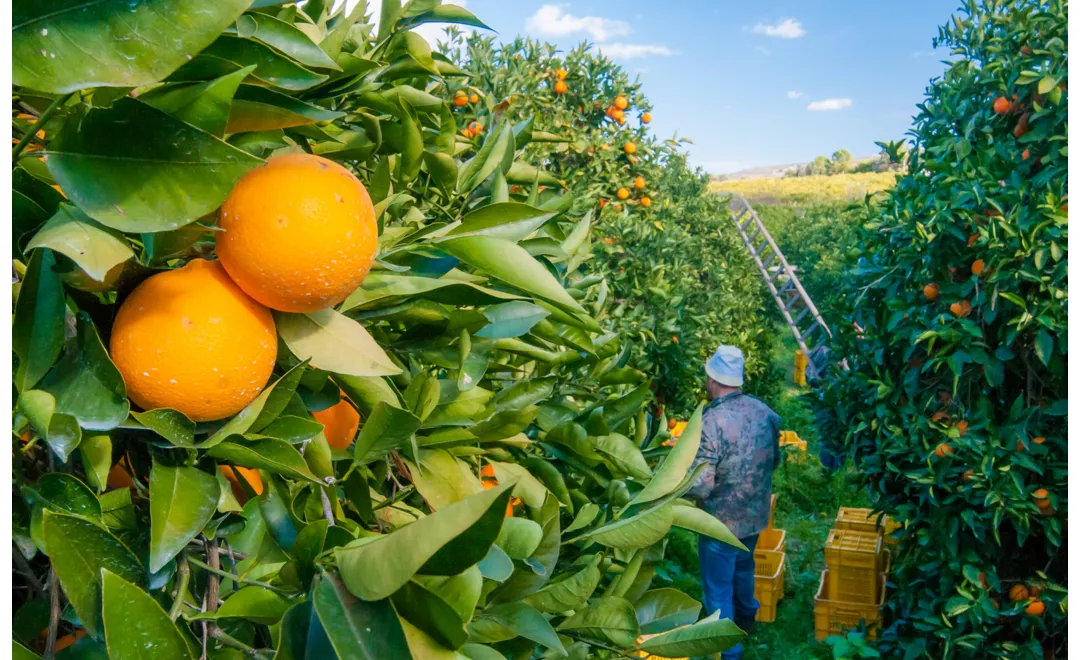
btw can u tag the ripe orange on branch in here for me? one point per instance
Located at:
(248, 474)
(621, 103)
(639, 182)
(630, 148)
(560, 87)
(191, 340)
(960, 309)
(646, 118)
(931, 291)
(340, 423)
(300, 233)
(622, 193)
(1001, 105)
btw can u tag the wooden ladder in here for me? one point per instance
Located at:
(790, 296)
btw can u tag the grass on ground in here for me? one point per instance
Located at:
(808, 189)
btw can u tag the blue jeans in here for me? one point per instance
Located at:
(727, 575)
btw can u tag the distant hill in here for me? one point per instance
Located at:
(775, 171)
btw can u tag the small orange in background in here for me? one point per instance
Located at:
(1026, 154)
(943, 450)
(475, 98)
(1020, 446)
(940, 416)
(972, 239)
(618, 115)
(1036, 608)
(1018, 592)
(639, 182)
(1001, 105)
(622, 193)
(978, 266)
(621, 103)
(466, 132)
(560, 74)
(476, 127)
(119, 477)
(646, 202)
(672, 423)
(608, 241)
(960, 309)
(982, 580)
(560, 87)
(1038, 439)
(249, 475)
(630, 148)
(340, 423)
(300, 233)
(1022, 127)
(646, 118)
(962, 427)
(68, 640)
(968, 475)
(1041, 498)
(673, 337)
(603, 202)
(930, 291)
(461, 99)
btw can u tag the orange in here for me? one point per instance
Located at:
(1018, 592)
(1036, 608)
(978, 266)
(982, 580)
(476, 127)
(940, 417)
(645, 201)
(1025, 154)
(119, 477)
(621, 103)
(622, 193)
(560, 74)
(968, 474)
(629, 147)
(930, 291)
(250, 476)
(972, 239)
(962, 427)
(618, 115)
(639, 182)
(475, 98)
(488, 481)
(961, 309)
(672, 424)
(461, 101)
(1022, 127)
(943, 450)
(1001, 105)
(1038, 440)
(191, 340)
(300, 233)
(466, 132)
(1041, 498)
(560, 87)
(646, 118)
(340, 422)
(68, 640)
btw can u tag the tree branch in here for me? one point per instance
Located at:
(54, 615)
(57, 103)
(184, 571)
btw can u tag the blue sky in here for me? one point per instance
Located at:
(739, 77)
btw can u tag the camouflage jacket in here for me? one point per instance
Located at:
(740, 441)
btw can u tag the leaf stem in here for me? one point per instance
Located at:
(57, 103)
(622, 654)
(237, 578)
(400, 495)
(228, 640)
(181, 587)
(54, 616)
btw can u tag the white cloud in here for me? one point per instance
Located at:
(789, 28)
(554, 21)
(829, 104)
(617, 51)
(794, 95)
(763, 50)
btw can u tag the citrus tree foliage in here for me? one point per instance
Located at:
(506, 494)
(677, 272)
(955, 403)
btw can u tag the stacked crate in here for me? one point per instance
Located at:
(857, 561)
(769, 564)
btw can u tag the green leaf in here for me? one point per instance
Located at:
(511, 319)
(59, 49)
(171, 176)
(258, 108)
(520, 537)
(443, 543)
(441, 14)
(136, 627)
(584, 517)
(481, 652)
(60, 492)
(703, 522)
(571, 593)
(509, 221)
(37, 332)
(20, 652)
(711, 635)
(228, 54)
(496, 565)
(268, 454)
(307, 548)
(665, 609)
(487, 160)
(79, 550)
(182, 500)
(523, 174)
(383, 289)
(635, 532)
(76, 236)
(1044, 346)
(86, 384)
(510, 263)
(607, 619)
(441, 478)
(117, 511)
(288, 39)
(254, 604)
(1047, 83)
(260, 412)
(386, 428)
(358, 629)
(626, 406)
(677, 463)
(623, 454)
(96, 453)
(203, 105)
(62, 432)
(170, 424)
(523, 620)
(334, 342)
(430, 613)
(526, 486)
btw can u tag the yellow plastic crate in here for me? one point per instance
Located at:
(770, 539)
(865, 520)
(768, 583)
(832, 617)
(855, 562)
(790, 438)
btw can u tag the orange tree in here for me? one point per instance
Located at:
(956, 400)
(446, 461)
(667, 254)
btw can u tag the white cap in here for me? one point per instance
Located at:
(726, 366)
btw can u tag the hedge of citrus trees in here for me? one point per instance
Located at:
(671, 262)
(955, 405)
(303, 370)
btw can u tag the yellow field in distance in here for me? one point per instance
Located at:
(808, 189)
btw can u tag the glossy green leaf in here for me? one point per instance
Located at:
(86, 384)
(448, 13)
(383, 289)
(510, 221)
(37, 333)
(386, 428)
(526, 486)
(427, 611)
(665, 609)
(334, 342)
(262, 411)
(610, 620)
(443, 543)
(488, 159)
(182, 500)
(268, 454)
(229, 54)
(20, 652)
(203, 105)
(584, 517)
(79, 550)
(62, 432)
(285, 37)
(117, 511)
(183, 173)
(136, 626)
(358, 629)
(441, 478)
(258, 108)
(75, 235)
(571, 593)
(676, 464)
(703, 522)
(623, 454)
(710, 635)
(58, 492)
(254, 604)
(96, 454)
(635, 532)
(521, 619)
(170, 424)
(519, 537)
(65, 48)
(496, 565)
(512, 319)
(626, 406)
